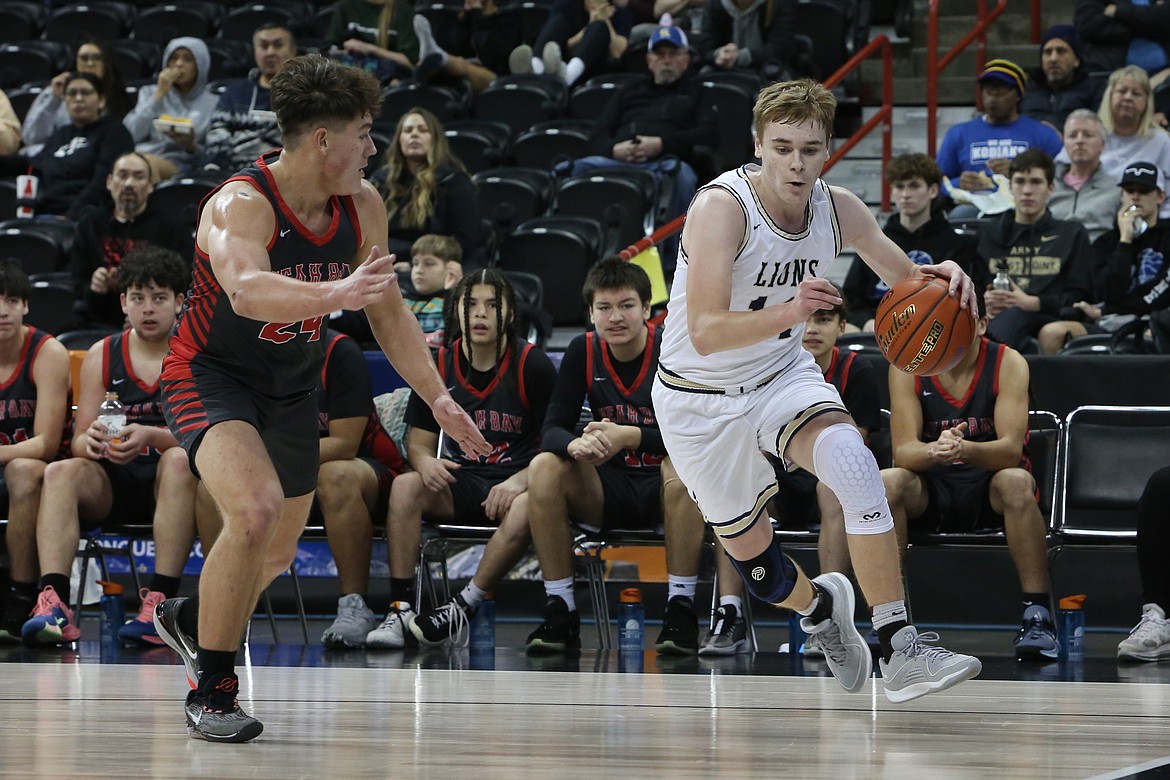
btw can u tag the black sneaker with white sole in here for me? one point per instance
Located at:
(560, 631)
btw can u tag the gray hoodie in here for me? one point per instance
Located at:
(197, 105)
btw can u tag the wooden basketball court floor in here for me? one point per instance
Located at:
(101, 712)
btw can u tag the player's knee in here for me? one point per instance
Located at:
(514, 527)
(174, 467)
(24, 475)
(337, 481)
(1015, 486)
(546, 472)
(61, 475)
(405, 491)
(770, 576)
(846, 465)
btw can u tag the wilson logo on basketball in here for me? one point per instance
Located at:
(758, 573)
(900, 318)
(928, 344)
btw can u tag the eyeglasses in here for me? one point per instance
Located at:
(73, 94)
(89, 58)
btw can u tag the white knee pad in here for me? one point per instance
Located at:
(846, 465)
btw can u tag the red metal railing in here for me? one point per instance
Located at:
(884, 115)
(935, 66)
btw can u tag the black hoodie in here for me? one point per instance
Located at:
(1133, 277)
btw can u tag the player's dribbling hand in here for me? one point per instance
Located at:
(369, 281)
(457, 424)
(814, 294)
(958, 282)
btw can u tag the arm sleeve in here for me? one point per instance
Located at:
(539, 379)
(948, 156)
(41, 119)
(1093, 26)
(140, 120)
(1079, 286)
(1151, 21)
(564, 407)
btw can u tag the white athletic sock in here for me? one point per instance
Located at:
(427, 45)
(537, 65)
(890, 612)
(574, 70)
(681, 586)
(472, 595)
(734, 601)
(562, 588)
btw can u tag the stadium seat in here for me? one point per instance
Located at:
(20, 21)
(99, 20)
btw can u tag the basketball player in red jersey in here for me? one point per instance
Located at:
(273, 250)
(733, 381)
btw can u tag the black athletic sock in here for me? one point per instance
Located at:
(402, 589)
(59, 583)
(886, 633)
(824, 608)
(188, 618)
(213, 662)
(168, 586)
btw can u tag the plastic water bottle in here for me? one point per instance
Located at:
(112, 415)
(1072, 628)
(631, 631)
(482, 645)
(1002, 280)
(113, 610)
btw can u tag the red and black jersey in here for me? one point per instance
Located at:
(142, 402)
(857, 383)
(274, 359)
(941, 410)
(611, 398)
(18, 393)
(344, 383)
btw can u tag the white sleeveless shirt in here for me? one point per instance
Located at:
(768, 268)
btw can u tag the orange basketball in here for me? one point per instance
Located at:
(921, 328)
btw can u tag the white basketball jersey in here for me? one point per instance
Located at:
(768, 268)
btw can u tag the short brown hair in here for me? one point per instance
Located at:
(916, 165)
(446, 248)
(312, 90)
(1033, 158)
(792, 102)
(614, 273)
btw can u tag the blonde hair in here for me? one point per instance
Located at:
(385, 19)
(1146, 123)
(793, 102)
(446, 248)
(415, 199)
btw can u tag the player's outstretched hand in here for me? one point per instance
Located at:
(458, 424)
(369, 281)
(957, 280)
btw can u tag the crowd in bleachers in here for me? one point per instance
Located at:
(515, 134)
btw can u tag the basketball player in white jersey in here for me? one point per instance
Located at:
(733, 380)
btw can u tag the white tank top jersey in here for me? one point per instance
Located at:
(769, 266)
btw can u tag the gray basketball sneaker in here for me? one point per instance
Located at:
(917, 667)
(845, 651)
(166, 623)
(214, 714)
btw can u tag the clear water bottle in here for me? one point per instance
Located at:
(482, 645)
(796, 635)
(112, 415)
(1072, 628)
(631, 626)
(1002, 280)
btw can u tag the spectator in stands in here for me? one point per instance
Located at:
(1084, 192)
(1132, 273)
(683, 13)
(615, 474)
(75, 160)
(504, 384)
(1047, 259)
(959, 441)
(376, 35)
(243, 126)
(754, 35)
(49, 110)
(1061, 84)
(660, 124)
(920, 229)
(1116, 34)
(9, 126)
(594, 34)
(105, 236)
(972, 151)
(433, 59)
(135, 475)
(353, 486)
(428, 190)
(1127, 111)
(180, 98)
(36, 397)
(1150, 638)
(435, 267)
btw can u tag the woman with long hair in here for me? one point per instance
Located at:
(427, 190)
(375, 35)
(1127, 111)
(48, 111)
